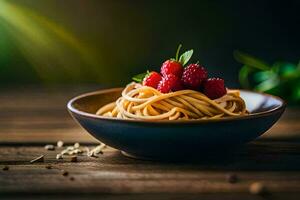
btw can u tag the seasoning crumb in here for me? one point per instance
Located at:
(50, 147)
(48, 167)
(59, 156)
(70, 148)
(5, 168)
(232, 178)
(97, 150)
(72, 178)
(257, 188)
(60, 144)
(77, 151)
(92, 154)
(76, 145)
(65, 173)
(64, 152)
(38, 159)
(74, 159)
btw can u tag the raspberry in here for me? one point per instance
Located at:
(214, 88)
(169, 83)
(193, 76)
(171, 67)
(178, 85)
(152, 80)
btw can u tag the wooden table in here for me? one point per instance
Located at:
(32, 117)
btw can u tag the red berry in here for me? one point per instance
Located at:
(178, 85)
(171, 67)
(214, 88)
(169, 83)
(193, 76)
(152, 80)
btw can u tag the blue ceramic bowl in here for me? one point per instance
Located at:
(148, 139)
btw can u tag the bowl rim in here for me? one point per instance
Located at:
(72, 109)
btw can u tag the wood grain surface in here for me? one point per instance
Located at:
(32, 117)
(275, 164)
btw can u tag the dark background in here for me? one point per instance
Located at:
(107, 42)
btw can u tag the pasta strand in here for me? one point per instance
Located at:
(146, 103)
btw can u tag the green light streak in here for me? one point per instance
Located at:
(54, 52)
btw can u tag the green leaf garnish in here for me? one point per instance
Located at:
(140, 77)
(186, 56)
(177, 52)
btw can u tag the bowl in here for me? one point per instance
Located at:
(175, 139)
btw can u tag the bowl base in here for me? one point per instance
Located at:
(138, 157)
(215, 157)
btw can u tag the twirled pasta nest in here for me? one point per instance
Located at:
(146, 103)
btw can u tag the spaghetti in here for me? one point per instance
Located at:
(146, 103)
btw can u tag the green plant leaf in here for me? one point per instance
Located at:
(296, 92)
(263, 75)
(285, 69)
(186, 56)
(251, 61)
(268, 84)
(140, 77)
(243, 76)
